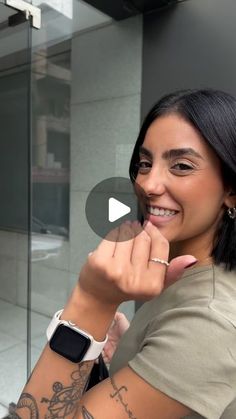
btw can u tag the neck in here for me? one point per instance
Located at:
(199, 246)
(201, 251)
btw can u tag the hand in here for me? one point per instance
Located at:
(176, 268)
(119, 269)
(118, 328)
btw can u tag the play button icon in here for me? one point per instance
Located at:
(117, 210)
(110, 203)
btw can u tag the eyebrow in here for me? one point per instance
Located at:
(175, 152)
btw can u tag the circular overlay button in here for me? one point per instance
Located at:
(110, 203)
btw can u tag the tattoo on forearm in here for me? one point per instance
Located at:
(86, 414)
(119, 398)
(27, 401)
(65, 399)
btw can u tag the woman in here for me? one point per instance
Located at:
(178, 358)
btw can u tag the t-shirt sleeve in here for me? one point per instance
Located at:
(190, 355)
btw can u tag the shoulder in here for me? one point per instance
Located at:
(204, 301)
(223, 302)
(189, 354)
(183, 344)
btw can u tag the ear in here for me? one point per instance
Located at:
(230, 199)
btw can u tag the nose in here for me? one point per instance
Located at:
(152, 183)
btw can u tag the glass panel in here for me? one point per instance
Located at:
(85, 102)
(14, 208)
(86, 87)
(51, 92)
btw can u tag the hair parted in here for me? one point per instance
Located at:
(213, 114)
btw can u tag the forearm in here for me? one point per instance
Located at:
(56, 384)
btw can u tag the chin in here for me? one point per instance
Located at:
(167, 233)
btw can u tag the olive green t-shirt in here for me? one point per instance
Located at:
(184, 342)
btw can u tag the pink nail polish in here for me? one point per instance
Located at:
(191, 264)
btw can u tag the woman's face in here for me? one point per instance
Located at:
(183, 191)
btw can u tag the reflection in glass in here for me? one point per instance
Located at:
(14, 208)
(51, 79)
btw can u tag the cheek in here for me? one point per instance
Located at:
(203, 202)
(202, 189)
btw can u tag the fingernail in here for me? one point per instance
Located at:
(191, 264)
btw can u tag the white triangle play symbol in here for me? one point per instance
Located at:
(117, 210)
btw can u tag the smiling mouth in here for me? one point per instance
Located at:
(158, 211)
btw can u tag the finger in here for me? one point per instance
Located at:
(122, 322)
(107, 246)
(120, 317)
(159, 248)
(177, 268)
(124, 244)
(107, 356)
(141, 249)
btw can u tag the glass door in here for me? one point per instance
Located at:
(68, 104)
(15, 35)
(50, 171)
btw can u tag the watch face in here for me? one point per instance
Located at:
(69, 343)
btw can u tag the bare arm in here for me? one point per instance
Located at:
(116, 271)
(128, 396)
(55, 390)
(56, 384)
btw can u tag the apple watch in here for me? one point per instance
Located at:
(72, 343)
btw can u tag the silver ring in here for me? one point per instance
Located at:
(157, 260)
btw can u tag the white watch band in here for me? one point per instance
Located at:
(95, 347)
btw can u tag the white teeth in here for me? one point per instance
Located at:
(160, 211)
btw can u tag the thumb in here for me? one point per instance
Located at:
(177, 267)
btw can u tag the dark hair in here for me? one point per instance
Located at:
(213, 114)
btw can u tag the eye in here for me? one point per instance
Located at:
(143, 166)
(182, 167)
